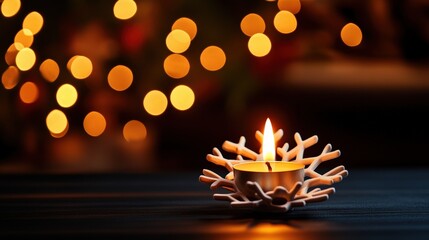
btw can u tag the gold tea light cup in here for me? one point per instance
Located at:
(268, 175)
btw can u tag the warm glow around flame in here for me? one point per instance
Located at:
(268, 144)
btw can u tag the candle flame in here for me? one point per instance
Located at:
(268, 143)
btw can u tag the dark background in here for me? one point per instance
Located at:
(370, 101)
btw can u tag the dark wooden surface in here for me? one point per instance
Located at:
(369, 204)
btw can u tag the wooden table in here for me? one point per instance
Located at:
(369, 204)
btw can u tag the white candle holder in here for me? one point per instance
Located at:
(283, 189)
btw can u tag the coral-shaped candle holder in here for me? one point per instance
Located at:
(280, 186)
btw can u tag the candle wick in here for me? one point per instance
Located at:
(270, 169)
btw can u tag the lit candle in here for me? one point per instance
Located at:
(268, 173)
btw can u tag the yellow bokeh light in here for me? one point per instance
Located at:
(49, 70)
(25, 37)
(351, 35)
(178, 41)
(259, 45)
(285, 22)
(10, 77)
(80, 67)
(252, 23)
(120, 78)
(134, 131)
(182, 97)
(155, 102)
(124, 9)
(293, 6)
(29, 92)
(187, 25)
(33, 22)
(66, 95)
(57, 122)
(94, 124)
(10, 7)
(25, 59)
(212, 58)
(176, 66)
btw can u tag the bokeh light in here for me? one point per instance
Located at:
(33, 22)
(10, 7)
(134, 131)
(94, 124)
(57, 122)
(178, 41)
(259, 45)
(155, 102)
(80, 67)
(187, 25)
(10, 77)
(213, 58)
(29, 92)
(25, 59)
(120, 78)
(61, 134)
(124, 9)
(182, 97)
(70, 61)
(66, 95)
(176, 66)
(49, 70)
(11, 53)
(351, 35)
(285, 22)
(293, 6)
(25, 37)
(252, 23)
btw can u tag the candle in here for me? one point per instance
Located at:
(257, 180)
(268, 173)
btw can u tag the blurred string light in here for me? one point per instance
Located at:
(176, 66)
(80, 66)
(124, 9)
(259, 45)
(120, 78)
(187, 25)
(285, 22)
(21, 57)
(94, 124)
(212, 58)
(351, 35)
(293, 6)
(33, 22)
(252, 23)
(57, 123)
(134, 131)
(155, 102)
(253, 26)
(25, 59)
(66, 95)
(49, 70)
(178, 41)
(29, 92)
(182, 97)
(10, 77)
(10, 7)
